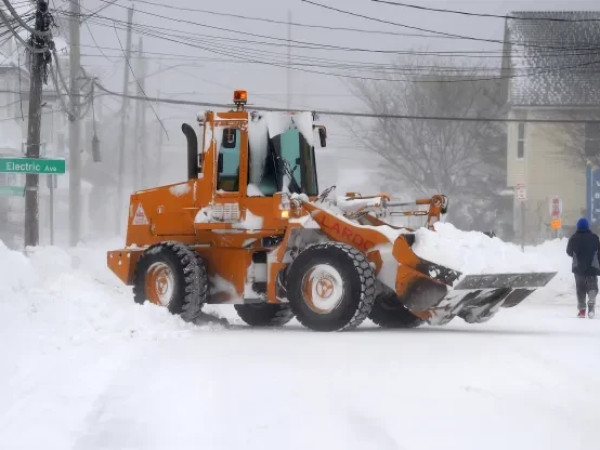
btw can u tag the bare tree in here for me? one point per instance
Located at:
(464, 160)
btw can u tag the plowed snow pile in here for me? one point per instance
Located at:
(62, 294)
(471, 252)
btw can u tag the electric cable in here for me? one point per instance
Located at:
(441, 33)
(140, 86)
(498, 16)
(350, 113)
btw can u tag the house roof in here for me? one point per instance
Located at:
(554, 63)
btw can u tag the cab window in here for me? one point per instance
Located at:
(229, 161)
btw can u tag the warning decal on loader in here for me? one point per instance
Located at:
(140, 216)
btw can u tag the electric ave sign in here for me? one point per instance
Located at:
(32, 165)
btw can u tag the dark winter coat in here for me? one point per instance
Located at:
(584, 247)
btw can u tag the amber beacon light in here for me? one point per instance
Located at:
(240, 98)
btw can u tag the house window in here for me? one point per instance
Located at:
(521, 141)
(592, 139)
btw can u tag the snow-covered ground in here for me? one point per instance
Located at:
(83, 367)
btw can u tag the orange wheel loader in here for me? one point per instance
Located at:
(249, 228)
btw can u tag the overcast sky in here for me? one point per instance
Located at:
(212, 75)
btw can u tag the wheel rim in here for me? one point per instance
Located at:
(159, 284)
(322, 288)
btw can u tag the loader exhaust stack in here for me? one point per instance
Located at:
(192, 151)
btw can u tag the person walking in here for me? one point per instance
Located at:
(584, 248)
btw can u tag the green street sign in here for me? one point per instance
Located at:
(12, 191)
(32, 165)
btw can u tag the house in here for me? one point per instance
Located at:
(552, 69)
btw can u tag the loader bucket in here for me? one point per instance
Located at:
(476, 298)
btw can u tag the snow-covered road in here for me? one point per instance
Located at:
(85, 368)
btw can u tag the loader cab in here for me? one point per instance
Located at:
(284, 162)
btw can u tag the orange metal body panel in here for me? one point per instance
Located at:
(123, 262)
(369, 240)
(169, 213)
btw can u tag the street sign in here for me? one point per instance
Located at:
(555, 207)
(32, 165)
(521, 192)
(12, 191)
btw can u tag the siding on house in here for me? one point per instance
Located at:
(550, 168)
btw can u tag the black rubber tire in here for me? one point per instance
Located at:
(265, 314)
(389, 312)
(189, 273)
(358, 281)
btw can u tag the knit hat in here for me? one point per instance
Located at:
(583, 224)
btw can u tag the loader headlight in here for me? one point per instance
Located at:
(285, 214)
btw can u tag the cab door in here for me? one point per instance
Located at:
(229, 179)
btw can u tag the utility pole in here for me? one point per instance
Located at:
(136, 125)
(159, 157)
(289, 61)
(125, 105)
(74, 126)
(142, 139)
(39, 61)
(140, 124)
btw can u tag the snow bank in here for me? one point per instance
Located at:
(473, 252)
(55, 295)
(16, 271)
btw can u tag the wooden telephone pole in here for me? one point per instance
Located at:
(74, 127)
(39, 63)
(122, 135)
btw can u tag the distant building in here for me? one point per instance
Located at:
(553, 72)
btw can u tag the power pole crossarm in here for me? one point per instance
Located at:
(41, 41)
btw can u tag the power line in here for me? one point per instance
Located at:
(282, 22)
(147, 30)
(349, 113)
(8, 25)
(234, 52)
(248, 51)
(22, 23)
(442, 33)
(498, 16)
(63, 104)
(430, 69)
(321, 46)
(139, 85)
(95, 42)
